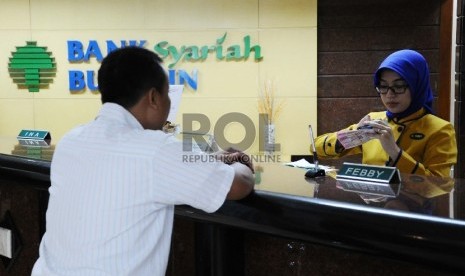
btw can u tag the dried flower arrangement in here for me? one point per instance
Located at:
(267, 102)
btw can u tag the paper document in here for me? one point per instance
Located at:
(304, 164)
(175, 93)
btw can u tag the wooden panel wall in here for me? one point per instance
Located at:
(460, 89)
(354, 37)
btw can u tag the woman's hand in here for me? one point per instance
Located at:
(362, 123)
(380, 130)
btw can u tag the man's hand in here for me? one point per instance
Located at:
(231, 156)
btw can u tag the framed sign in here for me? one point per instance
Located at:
(34, 138)
(368, 173)
(26, 134)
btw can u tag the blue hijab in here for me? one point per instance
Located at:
(413, 68)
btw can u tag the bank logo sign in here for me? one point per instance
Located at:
(32, 67)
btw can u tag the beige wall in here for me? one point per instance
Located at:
(285, 30)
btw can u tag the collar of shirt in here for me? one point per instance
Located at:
(412, 117)
(116, 112)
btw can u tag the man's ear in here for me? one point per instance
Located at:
(153, 97)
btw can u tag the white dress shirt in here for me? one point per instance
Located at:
(114, 187)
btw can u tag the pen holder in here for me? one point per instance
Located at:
(312, 173)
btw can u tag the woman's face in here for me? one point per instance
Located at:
(394, 102)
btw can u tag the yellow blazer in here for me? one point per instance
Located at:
(428, 145)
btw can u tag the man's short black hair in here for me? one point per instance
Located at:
(127, 73)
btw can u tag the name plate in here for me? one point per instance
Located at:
(27, 134)
(368, 173)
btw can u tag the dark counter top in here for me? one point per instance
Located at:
(422, 223)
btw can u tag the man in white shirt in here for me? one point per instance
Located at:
(115, 180)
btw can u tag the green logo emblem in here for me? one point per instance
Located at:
(32, 67)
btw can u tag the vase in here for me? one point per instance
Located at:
(270, 138)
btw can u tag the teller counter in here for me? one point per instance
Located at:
(290, 225)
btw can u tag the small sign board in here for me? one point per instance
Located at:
(368, 173)
(27, 134)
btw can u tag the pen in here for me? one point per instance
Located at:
(315, 156)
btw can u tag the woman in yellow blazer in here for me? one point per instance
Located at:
(407, 136)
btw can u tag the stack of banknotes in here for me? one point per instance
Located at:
(353, 138)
